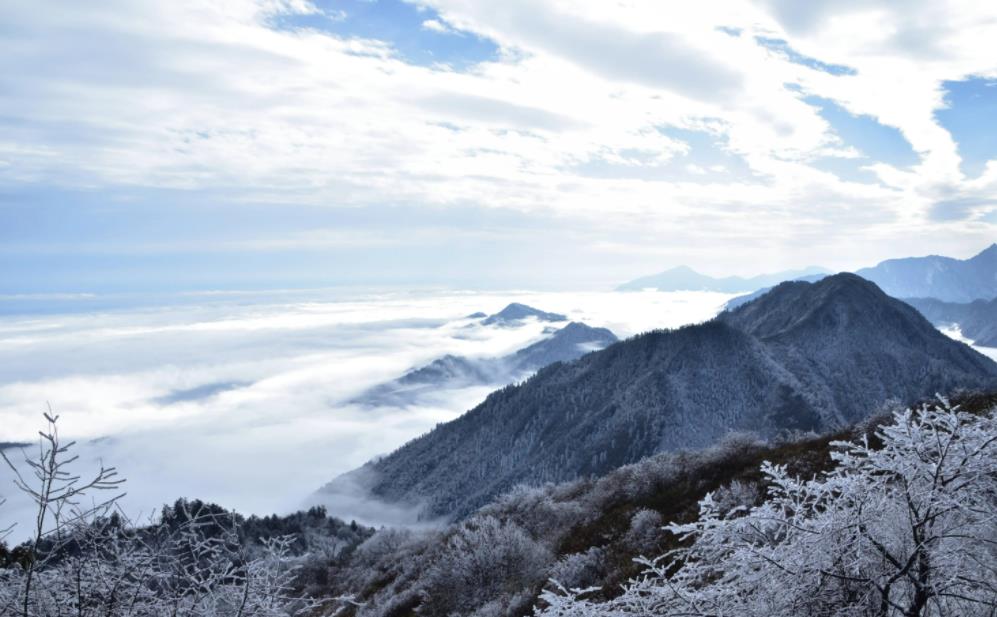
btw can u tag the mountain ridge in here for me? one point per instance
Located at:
(936, 276)
(684, 278)
(567, 343)
(808, 357)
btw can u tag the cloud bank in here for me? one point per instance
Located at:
(244, 402)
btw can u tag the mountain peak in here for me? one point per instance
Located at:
(988, 253)
(683, 269)
(843, 300)
(577, 332)
(840, 284)
(844, 283)
(568, 343)
(516, 312)
(574, 327)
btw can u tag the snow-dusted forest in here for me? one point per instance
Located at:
(894, 517)
(905, 524)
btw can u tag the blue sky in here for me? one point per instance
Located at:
(968, 115)
(164, 146)
(405, 25)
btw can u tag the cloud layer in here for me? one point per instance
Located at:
(577, 118)
(243, 402)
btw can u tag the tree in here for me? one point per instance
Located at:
(905, 525)
(56, 493)
(89, 561)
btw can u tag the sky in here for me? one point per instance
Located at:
(170, 145)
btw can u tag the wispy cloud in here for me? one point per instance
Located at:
(437, 26)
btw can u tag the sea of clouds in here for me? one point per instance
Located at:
(241, 399)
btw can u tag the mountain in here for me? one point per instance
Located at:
(516, 313)
(944, 278)
(805, 357)
(684, 278)
(976, 320)
(583, 534)
(565, 344)
(733, 303)
(568, 343)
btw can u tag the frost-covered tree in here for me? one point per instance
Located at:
(87, 560)
(57, 494)
(905, 525)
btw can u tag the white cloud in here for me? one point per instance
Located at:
(183, 94)
(436, 26)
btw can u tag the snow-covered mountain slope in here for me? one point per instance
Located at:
(805, 357)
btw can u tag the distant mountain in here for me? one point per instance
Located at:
(568, 343)
(944, 278)
(684, 278)
(516, 313)
(976, 320)
(805, 357)
(937, 277)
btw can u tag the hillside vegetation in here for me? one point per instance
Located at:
(570, 548)
(586, 534)
(805, 357)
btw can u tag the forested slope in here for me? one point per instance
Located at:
(587, 532)
(806, 357)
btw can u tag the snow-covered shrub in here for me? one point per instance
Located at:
(483, 559)
(736, 494)
(545, 512)
(387, 541)
(907, 528)
(644, 533)
(507, 605)
(579, 569)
